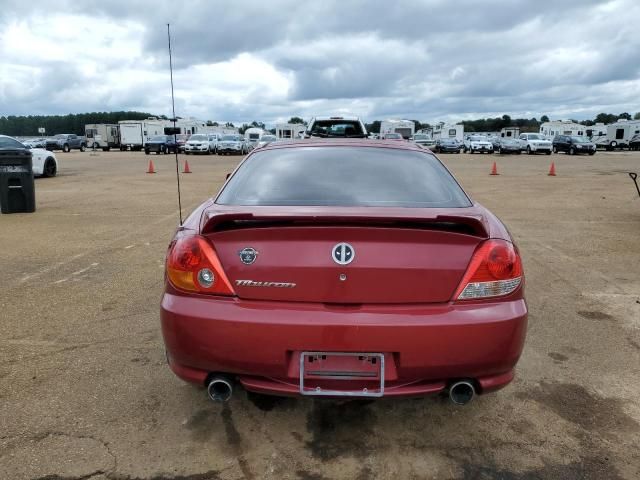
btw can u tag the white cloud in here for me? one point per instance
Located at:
(427, 60)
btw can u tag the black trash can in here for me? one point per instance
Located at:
(17, 188)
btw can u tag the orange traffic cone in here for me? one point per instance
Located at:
(186, 167)
(494, 169)
(151, 168)
(552, 170)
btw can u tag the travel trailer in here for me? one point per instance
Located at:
(134, 134)
(406, 128)
(290, 130)
(562, 127)
(253, 135)
(102, 135)
(454, 132)
(619, 134)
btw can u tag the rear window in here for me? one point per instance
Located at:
(336, 128)
(343, 176)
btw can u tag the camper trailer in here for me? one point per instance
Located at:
(562, 127)
(289, 130)
(102, 135)
(253, 135)
(134, 134)
(454, 132)
(406, 128)
(619, 134)
(189, 126)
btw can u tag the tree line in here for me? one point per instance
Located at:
(74, 123)
(71, 123)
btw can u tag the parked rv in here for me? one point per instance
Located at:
(442, 131)
(406, 128)
(134, 134)
(102, 135)
(619, 134)
(253, 135)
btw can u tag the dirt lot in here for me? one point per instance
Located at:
(85, 392)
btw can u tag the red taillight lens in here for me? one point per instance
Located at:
(192, 265)
(495, 270)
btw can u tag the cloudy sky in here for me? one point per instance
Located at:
(429, 60)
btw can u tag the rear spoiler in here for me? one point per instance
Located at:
(465, 224)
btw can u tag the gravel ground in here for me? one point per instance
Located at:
(85, 392)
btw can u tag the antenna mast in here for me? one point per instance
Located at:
(175, 139)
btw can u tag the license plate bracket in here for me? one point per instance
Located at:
(342, 366)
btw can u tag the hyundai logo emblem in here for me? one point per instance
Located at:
(343, 254)
(248, 255)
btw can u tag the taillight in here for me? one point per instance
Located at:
(495, 270)
(192, 265)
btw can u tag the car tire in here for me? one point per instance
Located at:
(555, 149)
(146, 151)
(529, 152)
(65, 148)
(83, 147)
(499, 150)
(548, 153)
(165, 150)
(572, 151)
(50, 169)
(592, 152)
(464, 150)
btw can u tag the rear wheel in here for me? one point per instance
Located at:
(165, 150)
(572, 151)
(83, 147)
(65, 148)
(555, 149)
(50, 169)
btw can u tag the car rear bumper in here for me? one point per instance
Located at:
(425, 346)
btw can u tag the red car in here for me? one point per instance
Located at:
(337, 268)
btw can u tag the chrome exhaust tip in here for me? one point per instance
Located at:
(462, 392)
(220, 389)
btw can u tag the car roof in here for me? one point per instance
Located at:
(344, 142)
(337, 117)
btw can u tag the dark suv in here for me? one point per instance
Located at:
(573, 145)
(161, 144)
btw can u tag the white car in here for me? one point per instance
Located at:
(423, 140)
(535, 143)
(44, 162)
(477, 143)
(206, 143)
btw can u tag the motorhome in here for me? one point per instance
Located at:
(134, 134)
(289, 130)
(454, 132)
(253, 135)
(102, 135)
(562, 127)
(406, 128)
